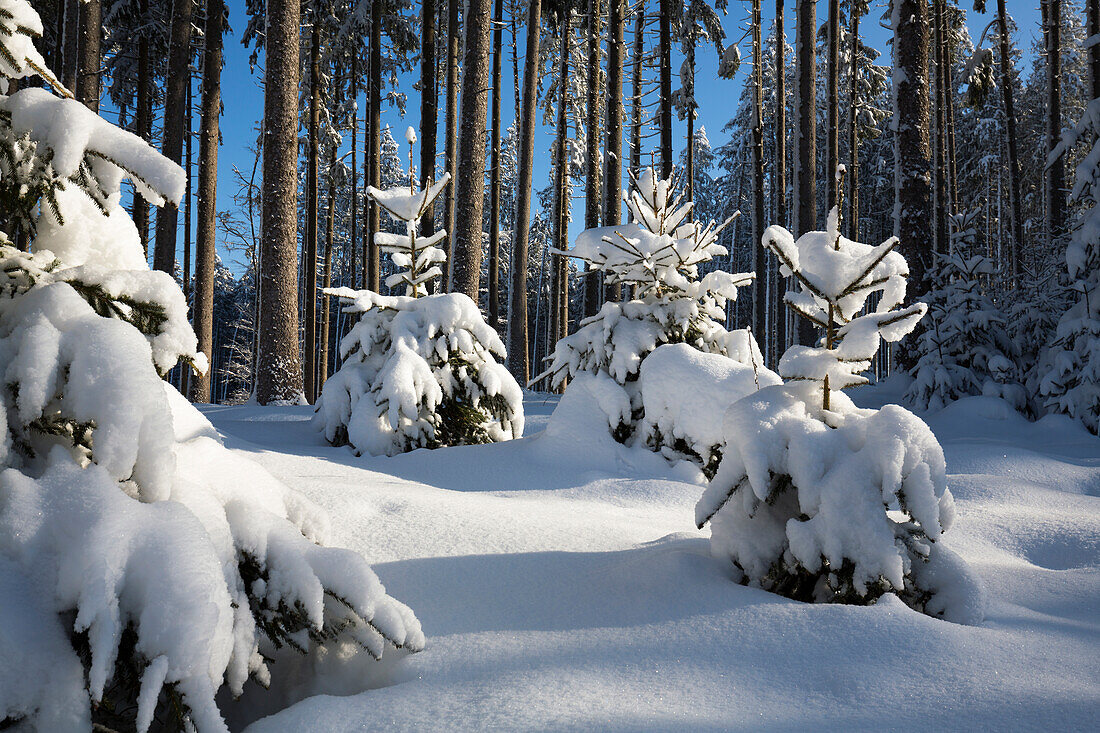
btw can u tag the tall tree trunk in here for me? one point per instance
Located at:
(451, 143)
(91, 57)
(208, 188)
(330, 223)
(853, 132)
(1056, 171)
(494, 172)
(561, 179)
(429, 104)
(939, 156)
(912, 194)
(278, 367)
(805, 143)
(1092, 29)
(469, 193)
(593, 190)
(143, 121)
(832, 97)
(1010, 135)
(188, 119)
(374, 217)
(666, 88)
(72, 44)
(356, 254)
(636, 88)
(517, 307)
(613, 150)
(947, 52)
(760, 303)
(780, 175)
(175, 103)
(689, 170)
(309, 245)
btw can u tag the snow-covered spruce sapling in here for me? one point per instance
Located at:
(418, 371)
(143, 566)
(657, 255)
(815, 498)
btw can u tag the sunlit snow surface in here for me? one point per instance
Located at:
(561, 585)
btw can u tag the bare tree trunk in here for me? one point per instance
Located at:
(72, 44)
(760, 303)
(1010, 135)
(947, 52)
(143, 121)
(188, 118)
(517, 308)
(666, 88)
(1056, 171)
(91, 57)
(429, 104)
(175, 102)
(939, 156)
(309, 256)
(689, 171)
(1092, 25)
(805, 132)
(494, 172)
(780, 176)
(561, 179)
(278, 367)
(593, 190)
(330, 223)
(354, 223)
(451, 144)
(469, 193)
(853, 133)
(374, 217)
(636, 99)
(912, 194)
(208, 189)
(832, 97)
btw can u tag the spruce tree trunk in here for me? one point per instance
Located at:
(494, 172)
(451, 144)
(429, 105)
(853, 133)
(947, 54)
(72, 44)
(374, 217)
(469, 193)
(309, 257)
(143, 122)
(356, 254)
(278, 367)
(1013, 154)
(517, 307)
(832, 96)
(912, 194)
(780, 179)
(939, 156)
(636, 88)
(185, 374)
(666, 88)
(91, 57)
(330, 223)
(1056, 171)
(175, 103)
(208, 188)
(561, 178)
(805, 133)
(1092, 29)
(760, 304)
(689, 171)
(593, 190)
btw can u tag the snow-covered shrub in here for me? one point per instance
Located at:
(657, 255)
(817, 499)
(965, 348)
(417, 372)
(143, 566)
(1071, 382)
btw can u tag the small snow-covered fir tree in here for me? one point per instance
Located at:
(815, 498)
(143, 566)
(656, 256)
(418, 370)
(1071, 382)
(966, 348)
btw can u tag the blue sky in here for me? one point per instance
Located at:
(717, 97)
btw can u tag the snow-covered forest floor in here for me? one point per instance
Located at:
(562, 585)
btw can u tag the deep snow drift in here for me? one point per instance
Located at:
(561, 585)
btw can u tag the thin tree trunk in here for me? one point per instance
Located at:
(1010, 139)
(374, 217)
(939, 156)
(517, 308)
(469, 193)
(309, 257)
(330, 223)
(451, 144)
(494, 172)
(208, 188)
(832, 97)
(143, 121)
(278, 367)
(853, 133)
(780, 180)
(593, 190)
(91, 57)
(353, 84)
(72, 44)
(188, 118)
(947, 49)
(760, 303)
(1056, 171)
(805, 132)
(429, 104)
(666, 88)
(912, 194)
(636, 99)
(1092, 21)
(689, 171)
(561, 178)
(175, 102)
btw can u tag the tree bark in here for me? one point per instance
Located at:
(374, 217)
(330, 223)
(832, 96)
(666, 88)
(517, 308)
(91, 57)
(805, 132)
(429, 106)
(494, 172)
(356, 254)
(593, 189)
(1092, 24)
(760, 304)
(912, 190)
(689, 170)
(72, 44)
(636, 99)
(208, 189)
(175, 103)
(940, 243)
(561, 178)
(1056, 171)
(780, 180)
(309, 256)
(143, 122)
(1010, 135)
(853, 133)
(278, 367)
(451, 143)
(469, 193)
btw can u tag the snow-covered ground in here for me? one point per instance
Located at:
(562, 585)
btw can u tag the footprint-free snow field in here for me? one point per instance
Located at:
(562, 586)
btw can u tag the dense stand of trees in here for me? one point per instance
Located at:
(958, 124)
